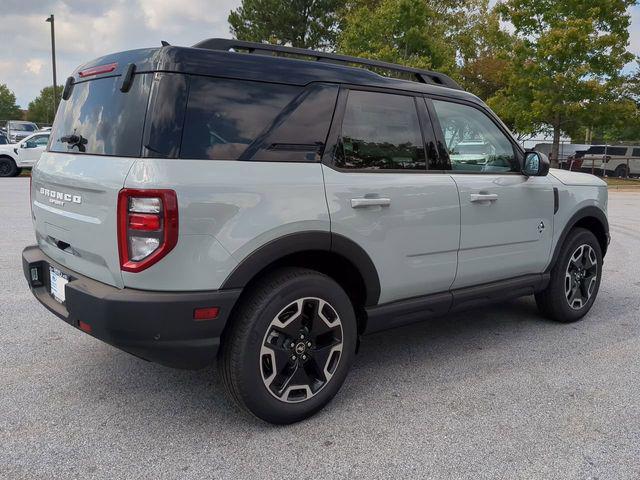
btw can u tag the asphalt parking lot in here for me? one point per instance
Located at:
(494, 393)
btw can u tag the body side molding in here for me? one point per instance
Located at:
(412, 310)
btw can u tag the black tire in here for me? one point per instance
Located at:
(621, 171)
(554, 301)
(244, 362)
(8, 167)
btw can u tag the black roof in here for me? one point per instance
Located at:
(217, 61)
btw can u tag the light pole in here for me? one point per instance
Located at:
(53, 61)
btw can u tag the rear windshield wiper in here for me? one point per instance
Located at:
(75, 141)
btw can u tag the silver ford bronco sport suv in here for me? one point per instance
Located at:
(269, 206)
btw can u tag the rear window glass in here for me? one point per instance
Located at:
(225, 116)
(99, 119)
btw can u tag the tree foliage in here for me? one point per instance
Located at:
(419, 33)
(398, 31)
(8, 108)
(554, 68)
(300, 23)
(42, 108)
(567, 54)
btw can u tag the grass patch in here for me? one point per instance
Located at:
(622, 182)
(26, 172)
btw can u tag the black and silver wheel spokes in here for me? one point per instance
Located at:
(581, 276)
(301, 349)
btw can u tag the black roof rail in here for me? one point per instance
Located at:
(419, 75)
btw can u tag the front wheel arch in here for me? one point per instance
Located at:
(589, 218)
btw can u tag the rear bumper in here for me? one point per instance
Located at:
(155, 326)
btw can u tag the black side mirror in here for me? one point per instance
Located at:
(536, 164)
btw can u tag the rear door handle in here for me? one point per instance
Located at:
(483, 197)
(370, 202)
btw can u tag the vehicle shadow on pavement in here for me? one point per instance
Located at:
(431, 349)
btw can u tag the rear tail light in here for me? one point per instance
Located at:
(147, 227)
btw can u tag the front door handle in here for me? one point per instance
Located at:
(483, 197)
(370, 202)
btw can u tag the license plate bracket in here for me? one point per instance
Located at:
(57, 282)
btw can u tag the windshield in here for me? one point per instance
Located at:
(99, 119)
(24, 127)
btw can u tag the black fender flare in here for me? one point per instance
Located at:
(586, 212)
(299, 242)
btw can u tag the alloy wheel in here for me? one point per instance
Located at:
(581, 276)
(301, 349)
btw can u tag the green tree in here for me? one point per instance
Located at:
(616, 118)
(484, 54)
(567, 54)
(419, 33)
(8, 108)
(42, 108)
(310, 24)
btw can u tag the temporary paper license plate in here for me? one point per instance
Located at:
(58, 281)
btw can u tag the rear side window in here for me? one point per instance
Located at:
(99, 119)
(618, 151)
(636, 152)
(224, 117)
(380, 131)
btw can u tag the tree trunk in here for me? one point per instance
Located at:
(555, 148)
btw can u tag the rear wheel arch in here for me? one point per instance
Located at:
(331, 254)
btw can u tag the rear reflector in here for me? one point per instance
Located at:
(109, 67)
(209, 313)
(85, 327)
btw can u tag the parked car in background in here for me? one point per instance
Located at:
(24, 154)
(565, 151)
(18, 130)
(611, 160)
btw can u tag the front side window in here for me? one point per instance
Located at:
(380, 131)
(40, 140)
(473, 141)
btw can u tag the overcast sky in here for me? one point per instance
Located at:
(86, 29)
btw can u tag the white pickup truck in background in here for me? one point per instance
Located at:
(16, 156)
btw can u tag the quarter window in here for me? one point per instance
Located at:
(473, 141)
(225, 116)
(380, 131)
